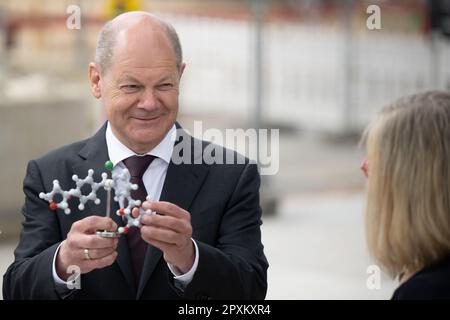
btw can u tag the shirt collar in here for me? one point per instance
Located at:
(117, 151)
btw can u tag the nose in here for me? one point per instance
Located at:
(148, 100)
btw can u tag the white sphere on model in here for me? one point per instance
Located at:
(121, 184)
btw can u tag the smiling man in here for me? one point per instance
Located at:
(205, 243)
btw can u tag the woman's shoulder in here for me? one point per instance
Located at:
(432, 282)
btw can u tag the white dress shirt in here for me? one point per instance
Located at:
(153, 179)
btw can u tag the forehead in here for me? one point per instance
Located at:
(142, 47)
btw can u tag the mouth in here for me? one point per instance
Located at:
(146, 119)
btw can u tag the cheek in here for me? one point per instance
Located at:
(118, 103)
(117, 97)
(170, 101)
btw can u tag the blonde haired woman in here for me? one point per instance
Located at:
(408, 205)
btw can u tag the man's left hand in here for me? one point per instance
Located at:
(170, 231)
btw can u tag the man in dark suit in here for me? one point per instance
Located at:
(205, 241)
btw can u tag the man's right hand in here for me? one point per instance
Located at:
(102, 251)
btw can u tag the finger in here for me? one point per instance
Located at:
(163, 246)
(135, 212)
(167, 222)
(93, 223)
(97, 253)
(166, 208)
(87, 241)
(102, 262)
(150, 233)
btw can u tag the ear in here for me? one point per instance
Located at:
(181, 70)
(94, 79)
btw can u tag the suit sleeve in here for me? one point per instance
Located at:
(30, 275)
(236, 267)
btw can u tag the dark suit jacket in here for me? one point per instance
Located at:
(223, 201)
(431, 283)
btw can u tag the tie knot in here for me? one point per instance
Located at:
(138, 164)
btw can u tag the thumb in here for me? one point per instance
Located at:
(135, 212)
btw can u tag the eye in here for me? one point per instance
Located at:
(129, 88)
(166, 86)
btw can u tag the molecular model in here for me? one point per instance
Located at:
(122, 186)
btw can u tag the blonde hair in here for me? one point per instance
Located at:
(408, 202)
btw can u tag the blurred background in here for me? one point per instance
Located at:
(316, 70)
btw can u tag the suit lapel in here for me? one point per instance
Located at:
(94, 155)
(181, 185)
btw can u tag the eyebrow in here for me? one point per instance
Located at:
(128, 78)
(166, 78)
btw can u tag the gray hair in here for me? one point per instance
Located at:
(107, 40)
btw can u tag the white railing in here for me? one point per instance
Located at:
(305, 71)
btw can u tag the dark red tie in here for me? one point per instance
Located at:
(137, 165)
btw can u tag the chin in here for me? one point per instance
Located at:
(149, 132)
(149, 136)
